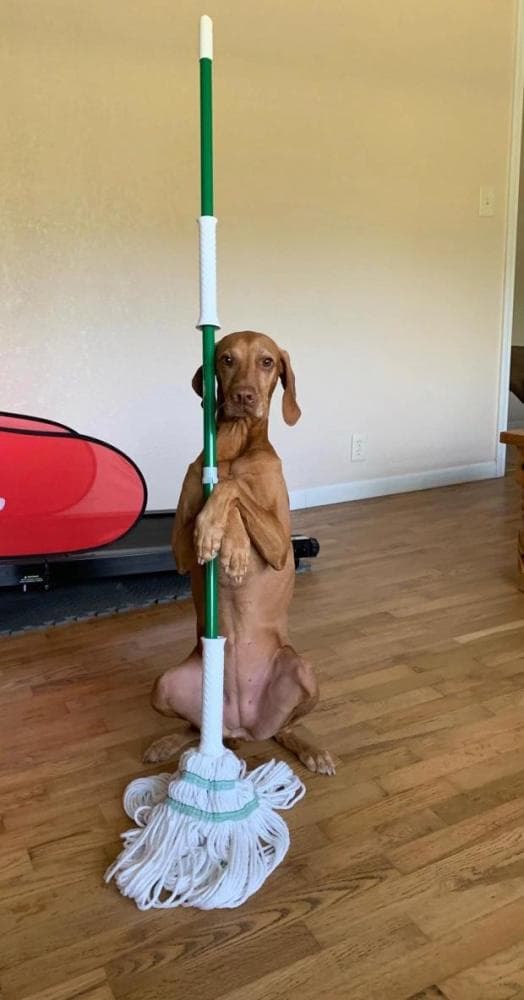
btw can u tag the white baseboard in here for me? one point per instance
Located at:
(319, 496)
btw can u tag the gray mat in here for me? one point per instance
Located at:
(39, 609)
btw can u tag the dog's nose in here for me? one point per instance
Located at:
(244, 396)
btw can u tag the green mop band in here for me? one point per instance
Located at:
(213, 786)
(213, 817)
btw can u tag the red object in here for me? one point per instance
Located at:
(61, 491)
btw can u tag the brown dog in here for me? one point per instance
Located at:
(246, 520)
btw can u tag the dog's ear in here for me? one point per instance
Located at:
(198, 382)
(290, 409)
(198, 385)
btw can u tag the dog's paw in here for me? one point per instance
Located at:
(319, 762)
(208, 538)
(163, 749)
(234, 559)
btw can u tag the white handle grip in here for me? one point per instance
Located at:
(212, 697)
(208, 272)
(206, 37)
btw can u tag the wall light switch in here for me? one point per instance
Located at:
(487, 200)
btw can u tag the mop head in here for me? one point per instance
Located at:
(207, 836)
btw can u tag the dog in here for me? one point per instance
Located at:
(245, 521)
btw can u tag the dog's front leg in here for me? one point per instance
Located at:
(236, 547)
(210, 524)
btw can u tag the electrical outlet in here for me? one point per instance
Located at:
(487, 200)
(358, 447)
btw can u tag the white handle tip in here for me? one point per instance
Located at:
(206, 37)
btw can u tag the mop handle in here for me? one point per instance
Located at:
(212, 646)
(208, 321)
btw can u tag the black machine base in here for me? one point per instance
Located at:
(145, 549)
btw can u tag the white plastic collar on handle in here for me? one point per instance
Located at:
(209, 475)
(206, 37)
(212, 697)
(208, 272)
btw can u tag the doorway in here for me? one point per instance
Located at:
(511, 406)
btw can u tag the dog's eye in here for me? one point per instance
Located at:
(227, 360)
(267, 362)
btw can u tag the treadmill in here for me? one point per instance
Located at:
(146, 548)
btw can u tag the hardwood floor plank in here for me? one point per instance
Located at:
(148, 972)
(439, 766)
(446, 840)
(314, 978)
(80, 986)
(436, 961)
(498, 977)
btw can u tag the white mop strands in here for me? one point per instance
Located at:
(207, 836)
(202, 841)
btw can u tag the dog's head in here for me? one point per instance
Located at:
(248, 366)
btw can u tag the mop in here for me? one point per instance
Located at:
(207, 836)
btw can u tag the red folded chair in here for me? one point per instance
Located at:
(61, 491)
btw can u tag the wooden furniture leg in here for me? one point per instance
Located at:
(516, 438)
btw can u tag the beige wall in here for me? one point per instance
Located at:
(352, 138)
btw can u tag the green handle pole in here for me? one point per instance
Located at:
(206, 136)
(208, 333)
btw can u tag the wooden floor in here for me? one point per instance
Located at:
(405, 877)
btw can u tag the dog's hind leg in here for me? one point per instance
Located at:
(299, 742)
(291, 694)
(311, 756)
(177, 693)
